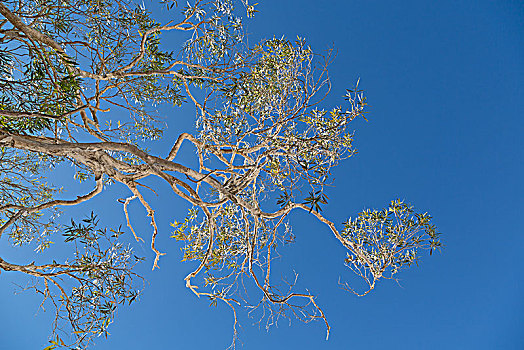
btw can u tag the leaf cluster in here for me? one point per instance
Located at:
(385, 241)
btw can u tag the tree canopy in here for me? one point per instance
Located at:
(81, 83)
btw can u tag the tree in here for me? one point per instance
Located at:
(81, 82)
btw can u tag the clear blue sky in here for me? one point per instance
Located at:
(445, 84)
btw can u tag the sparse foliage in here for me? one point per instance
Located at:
(81, 84)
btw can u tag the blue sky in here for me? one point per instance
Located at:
(444, 81)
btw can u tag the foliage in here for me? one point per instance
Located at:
(86, 289)
(388, 240)
(81, 82)
(23, 184)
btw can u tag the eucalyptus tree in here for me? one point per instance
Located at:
(81, 85)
